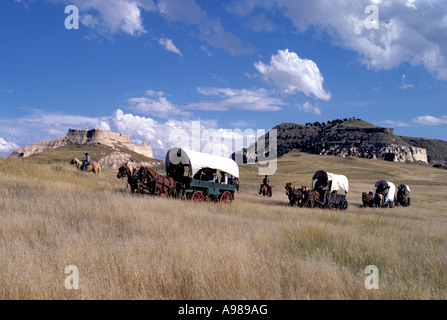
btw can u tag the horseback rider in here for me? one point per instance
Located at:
(265, 182)
(86, 161)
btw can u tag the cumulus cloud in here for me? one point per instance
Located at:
(203, 135)
(291, 74)
(112, 16)
(168, 45)
(409, 31)
(6, 147)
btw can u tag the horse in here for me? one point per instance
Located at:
(379, 200)
(158, 184)
(402, 198)
(296, 196)
(291, 193)
(312, 198)
(367, 199)
(127, 170)
(92, 167)
(265, 191)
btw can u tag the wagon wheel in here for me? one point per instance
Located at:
(226, 197)
(344, 205)
(197, 196)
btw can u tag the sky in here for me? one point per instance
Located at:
(155, 68)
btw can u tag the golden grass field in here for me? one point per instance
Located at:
(140, 247)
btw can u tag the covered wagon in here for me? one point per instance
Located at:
(201, 176)
(332, 189)
(385, 193)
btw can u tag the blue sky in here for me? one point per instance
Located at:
(149, 67)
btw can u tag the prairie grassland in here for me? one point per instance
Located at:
(139, 247)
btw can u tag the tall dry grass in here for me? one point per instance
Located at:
(139, 247)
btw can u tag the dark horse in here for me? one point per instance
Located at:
(403, 197)
(368, 199)
(296, 196)
(265, 191)
(127, 170)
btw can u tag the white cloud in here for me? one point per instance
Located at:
(408, 33)
(395, 123)
(6, 147)
(308, 107)
(204, 134)
(243, 99)
(168, 45)
(112, 16)
(159, 107)
(430, 120)
(291, 74)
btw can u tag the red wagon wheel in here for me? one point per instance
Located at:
(197, 196)
(226, 197)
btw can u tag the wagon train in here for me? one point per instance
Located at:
(202, 177)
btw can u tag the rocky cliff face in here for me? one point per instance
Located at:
(353, 138)
(120, 143)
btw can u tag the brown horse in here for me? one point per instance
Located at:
(367, 199)
(296, 196)
(92, 167)
(312, 198)
(265, 191)
(158, 184)
(128, 170)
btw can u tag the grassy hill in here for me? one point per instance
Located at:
(139, 247)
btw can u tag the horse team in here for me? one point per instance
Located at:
(302, 197)
(146, 180)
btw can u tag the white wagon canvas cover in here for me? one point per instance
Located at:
(336, 182)
(391, 191)
(198, 160)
